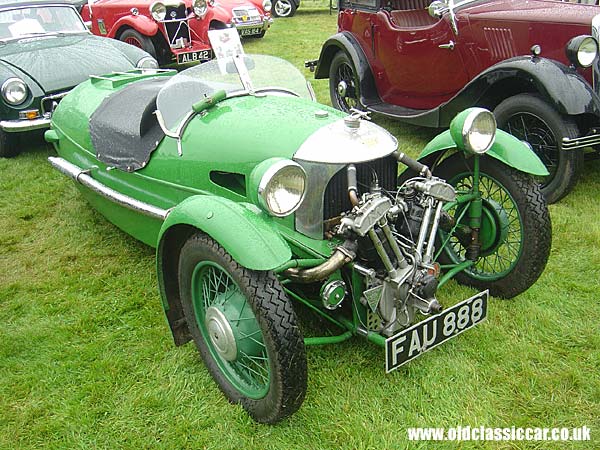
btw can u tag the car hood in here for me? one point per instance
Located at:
(546, 11)
(58, 63)
(236, 3)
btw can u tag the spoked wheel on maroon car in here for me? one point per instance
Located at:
(343, 83)
(138, 40)
(245, 329)
(531, 119)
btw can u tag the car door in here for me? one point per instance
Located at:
(418, 56)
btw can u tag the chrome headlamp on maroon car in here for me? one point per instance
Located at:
(582, 51)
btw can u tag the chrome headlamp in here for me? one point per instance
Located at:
(280, 186)
(147, 62)
(267, 5)
(200, 7)
(158, 11)
(582, 50)
(14, 91)
(474, 130)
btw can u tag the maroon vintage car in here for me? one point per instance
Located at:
(176, 30)
(534, 63)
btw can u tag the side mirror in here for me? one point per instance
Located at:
(437, 9)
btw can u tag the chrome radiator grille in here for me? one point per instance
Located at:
(176, 26)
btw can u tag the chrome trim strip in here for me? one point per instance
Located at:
(595, 66)
(59, 96)
(16, 126)
(83, 177)
(580, 142)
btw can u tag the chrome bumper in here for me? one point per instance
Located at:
(580, 142)
(264, 24)
(17, 126)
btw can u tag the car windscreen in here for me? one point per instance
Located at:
(269, 75)
(38, 20)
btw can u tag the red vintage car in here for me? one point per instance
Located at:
(534, 63)
(176, 30)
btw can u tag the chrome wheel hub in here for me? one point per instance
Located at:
(342, 87)
(282, 8)
(220, 333)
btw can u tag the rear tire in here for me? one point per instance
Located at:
(132, 37)
(529, 118)
(245, 329)
(516, 232)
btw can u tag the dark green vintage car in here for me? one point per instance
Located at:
(249, 219)
(46, 50)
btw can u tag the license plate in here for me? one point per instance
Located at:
(201, 55)
(250, 31)
(425, 335)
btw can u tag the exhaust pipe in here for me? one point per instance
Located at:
(340, 257)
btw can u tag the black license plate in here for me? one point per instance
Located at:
(425, 335)
(250, 31)
(201, 55)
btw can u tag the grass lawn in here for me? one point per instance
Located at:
(87, 360)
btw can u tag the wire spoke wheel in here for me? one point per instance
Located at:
(343, 84)
(530, 118)
(530, 128)
(230, 328)
(501, 233)
(245, 329)
(514, 233)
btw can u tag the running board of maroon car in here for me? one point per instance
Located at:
(423, 117)
(84, 178)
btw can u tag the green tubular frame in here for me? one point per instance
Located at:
(353, 326)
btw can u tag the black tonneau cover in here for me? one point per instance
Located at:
(124, 129)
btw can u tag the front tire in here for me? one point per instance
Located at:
(529, 118)
(284, 8)
(132, 37)
(245, 329)
(515, 233)
(343, 84)
(8, 145)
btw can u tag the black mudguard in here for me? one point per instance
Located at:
(557, 83)
(345, 42)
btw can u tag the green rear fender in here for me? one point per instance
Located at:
(248, 235)
(506, 148)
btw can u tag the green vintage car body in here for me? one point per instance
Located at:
(47, 50)
(228, 261)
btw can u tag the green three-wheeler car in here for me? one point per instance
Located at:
(251, 220)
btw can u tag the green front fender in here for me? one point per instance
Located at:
(506, 148)
(246, 232)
